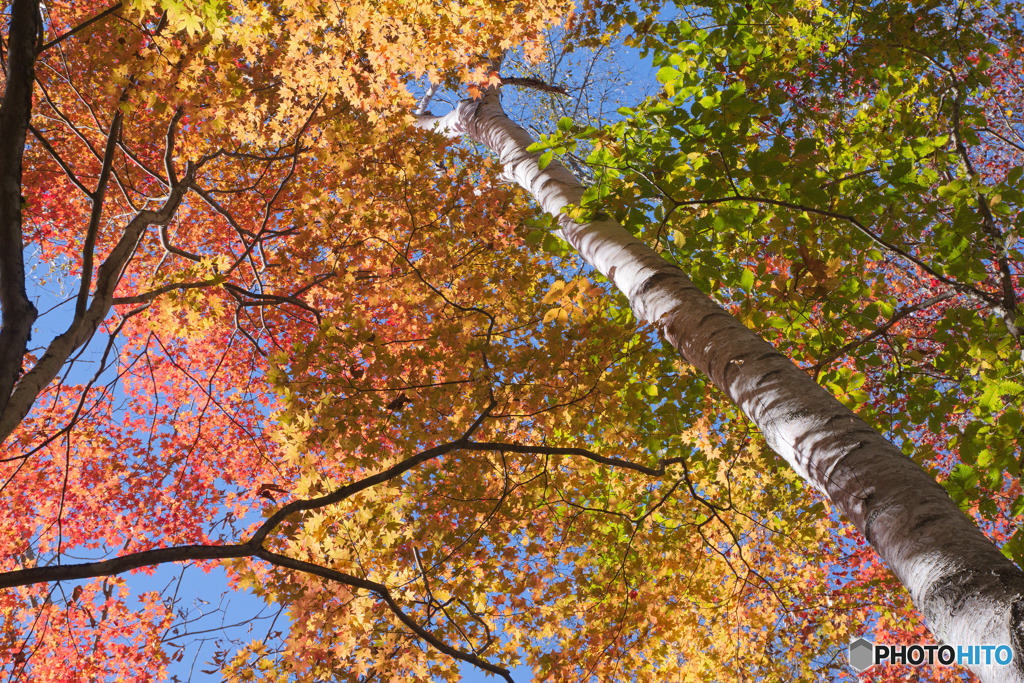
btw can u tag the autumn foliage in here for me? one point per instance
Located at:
(259, 285)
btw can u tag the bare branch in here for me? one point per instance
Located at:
(124, 563)
(172, 177)
(165, 241)
(147, 297)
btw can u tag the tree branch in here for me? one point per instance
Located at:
(421, 107)
(989, 227)
(882, 329)
(85, 24)
(60, 162)
(582, 452)
(990, 301)
(97, 198)
(147, 297)
(82, 329)
(534, 84)
(254, 547)
(172, 178)
(124, 563)
(385, 595)
(344, 492)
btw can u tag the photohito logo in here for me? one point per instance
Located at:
(864, 654)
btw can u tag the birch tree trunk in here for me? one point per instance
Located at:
(968, 592)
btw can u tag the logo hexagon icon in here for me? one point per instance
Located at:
(862, 654)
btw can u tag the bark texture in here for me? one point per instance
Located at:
(968, 592)
(18, 312)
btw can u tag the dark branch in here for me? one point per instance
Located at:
(385, 595)
(85, 24)
(881, 329)
(124, 563)
(990, 228)
(81, 330)
(344, 492)
(582, 452)
(254, 548)
(989, 300)
(96, 215)
(60, 161)
(149, 296)
(18, 313)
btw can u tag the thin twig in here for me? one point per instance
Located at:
(85, 24)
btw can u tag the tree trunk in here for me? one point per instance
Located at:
(968, 592)
(18, 313)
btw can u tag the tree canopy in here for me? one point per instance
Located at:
(257, 312)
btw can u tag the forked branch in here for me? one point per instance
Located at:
(255, 546)
(88, 319)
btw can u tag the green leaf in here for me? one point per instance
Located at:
(747, 280)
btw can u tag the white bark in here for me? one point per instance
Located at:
(968, 592)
